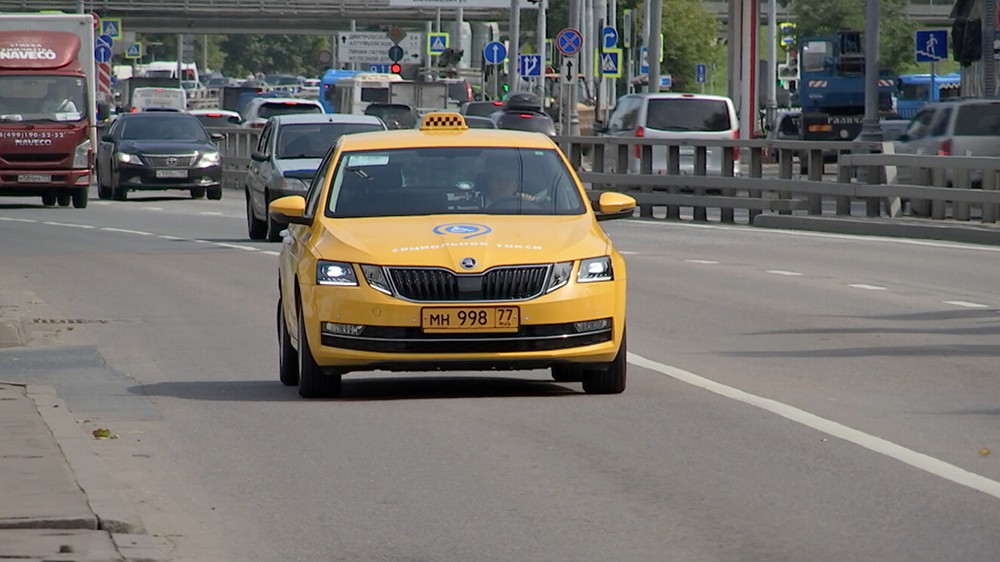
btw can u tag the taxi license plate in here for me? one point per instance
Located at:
(34, 178)
(495, 318)
(171, 173)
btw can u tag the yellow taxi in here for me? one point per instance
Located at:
(448, 248)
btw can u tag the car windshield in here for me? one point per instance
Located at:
(270, 109)
(396, 116)
(688, 114)
(219, 120)
(312, 140)
(978, 120)
(527, 122)
(42, 98)
(482, 108)
(166, 128)
(453, 180)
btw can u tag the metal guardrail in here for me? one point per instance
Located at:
(958, 188)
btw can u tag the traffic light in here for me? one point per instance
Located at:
(396, 68)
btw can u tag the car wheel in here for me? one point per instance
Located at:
(288, 362)
(215, 193)
(274, 229)
(197, 192)
(48, 199)
(313, 382)
(64, 198)
(118, 193)
(567, 373)
(609, 380)
(80, 198)
(103, 192)
(257, 229)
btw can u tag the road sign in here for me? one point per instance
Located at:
(932, 45)
(609, 37)
(700, 72)
(666, 82)
(608, 63)
(570, 69)
(436, 43)
(111, 27)
(627, 28)
(382, 68)
(102, 53)
(395, 53)
(97, 21)
(133, 51)
(105, 40)
(549, 49)
(569, 41)
(363, 47)
(644, 60)
(495, 52)
(529, 65)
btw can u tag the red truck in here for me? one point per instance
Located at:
(48, 113)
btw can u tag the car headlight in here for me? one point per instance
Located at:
(81, 156)
(335, 273)
(376, 278)
(126, 158)
(595, 269)
(292, 184)
(209, 159)
(559, 275)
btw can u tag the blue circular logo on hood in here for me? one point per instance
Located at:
(463, 229)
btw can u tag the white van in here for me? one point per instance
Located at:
(672, 116)
(159, 99)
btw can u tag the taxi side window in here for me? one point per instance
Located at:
(265, 135)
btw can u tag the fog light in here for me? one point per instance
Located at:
(338, 329)
(592, 325)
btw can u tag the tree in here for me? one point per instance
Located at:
(690, 37)
(291, 54)
(896, 29)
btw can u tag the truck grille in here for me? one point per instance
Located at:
(498, 284)
(36, 158)
(171, 160)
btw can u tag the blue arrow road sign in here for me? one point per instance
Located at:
(529, 65)
(105, 40)
(610, 37)
(932, 45)
(644, 60)
(495, 52)
(666, 82)
(395, 53)
(569, 41)
(102, 53)
(700, 70)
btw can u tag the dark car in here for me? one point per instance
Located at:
(394, 115)
(158, 151)
(522, 111)
(481, 108)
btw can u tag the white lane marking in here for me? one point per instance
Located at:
(703, 262)
(966, 304)
(867, 287)
(806, 234)
(153, 208)
(69, 225)
(126, 231)
(234, 246)
(10, 219)
(169, 237)
(626, 253)
(881, 446)
(211, 213)
(273, 253)
(783, 272)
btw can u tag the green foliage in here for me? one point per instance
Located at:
(690, 36)
(896, 29)
(291, 54)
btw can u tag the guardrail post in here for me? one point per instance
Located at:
(960, 209)
(920, 207)
(646, 169)
(728, 214)
(621, 163)
(756, 171)
(673, 169)
(597, 163)
(844, 175)
(700, 169)
(873, 205)
(938, 206)
(990, 184)
(785, 157)
(814, 201)
(576, 155)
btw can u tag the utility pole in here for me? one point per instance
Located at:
(514, 50)
(772, 61)
(655, 48)
(870, 130)
(540, 39)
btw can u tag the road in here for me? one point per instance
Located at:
(792, 396)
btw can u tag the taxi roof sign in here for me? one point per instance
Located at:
(443, 121)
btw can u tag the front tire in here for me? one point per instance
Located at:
(610, 380)
(103, 192)
(215, 193)
(49, 199)
(313, 383)
(118, 192)
(64, 198)
(288, 366)
(197, 193)
(257, 229)
(80, 198)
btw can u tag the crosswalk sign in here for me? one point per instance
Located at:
(112, 27)
(608, 64)
(436, 43)
(133, 51)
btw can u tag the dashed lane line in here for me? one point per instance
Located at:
(785, 273)
(878, 445)
(703, 262)
(867, 287)
(966, 304)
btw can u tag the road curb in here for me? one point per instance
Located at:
(895, 228)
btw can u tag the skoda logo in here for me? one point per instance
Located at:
(468, 263)
(171, 161)
(463, 229)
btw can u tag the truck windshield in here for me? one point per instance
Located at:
(42, 98)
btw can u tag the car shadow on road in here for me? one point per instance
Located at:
(355, 389)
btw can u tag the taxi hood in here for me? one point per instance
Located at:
(445, 241)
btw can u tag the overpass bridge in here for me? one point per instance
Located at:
(320, 17)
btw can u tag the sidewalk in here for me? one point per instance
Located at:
(56, 503)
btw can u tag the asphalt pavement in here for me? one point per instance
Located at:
(56, 503)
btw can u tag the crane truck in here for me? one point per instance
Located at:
(48, 112)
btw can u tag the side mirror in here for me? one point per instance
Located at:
(599, 127)
(103, 111)
(903, 138)
(107, 138)
(218, 136)
(258, 156)
(290, 209)
(613, 205)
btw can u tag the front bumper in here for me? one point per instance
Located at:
(17, 182)
(137, 177)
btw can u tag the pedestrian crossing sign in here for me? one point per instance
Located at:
(112, 27)
(133, 51)
(608, 64)
(436, 43)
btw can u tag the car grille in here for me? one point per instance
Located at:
(441, 285)
(171, 160)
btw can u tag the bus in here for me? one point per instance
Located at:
(352, 94)
(327, 87)
(915, 90)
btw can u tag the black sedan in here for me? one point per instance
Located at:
(158, 151)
